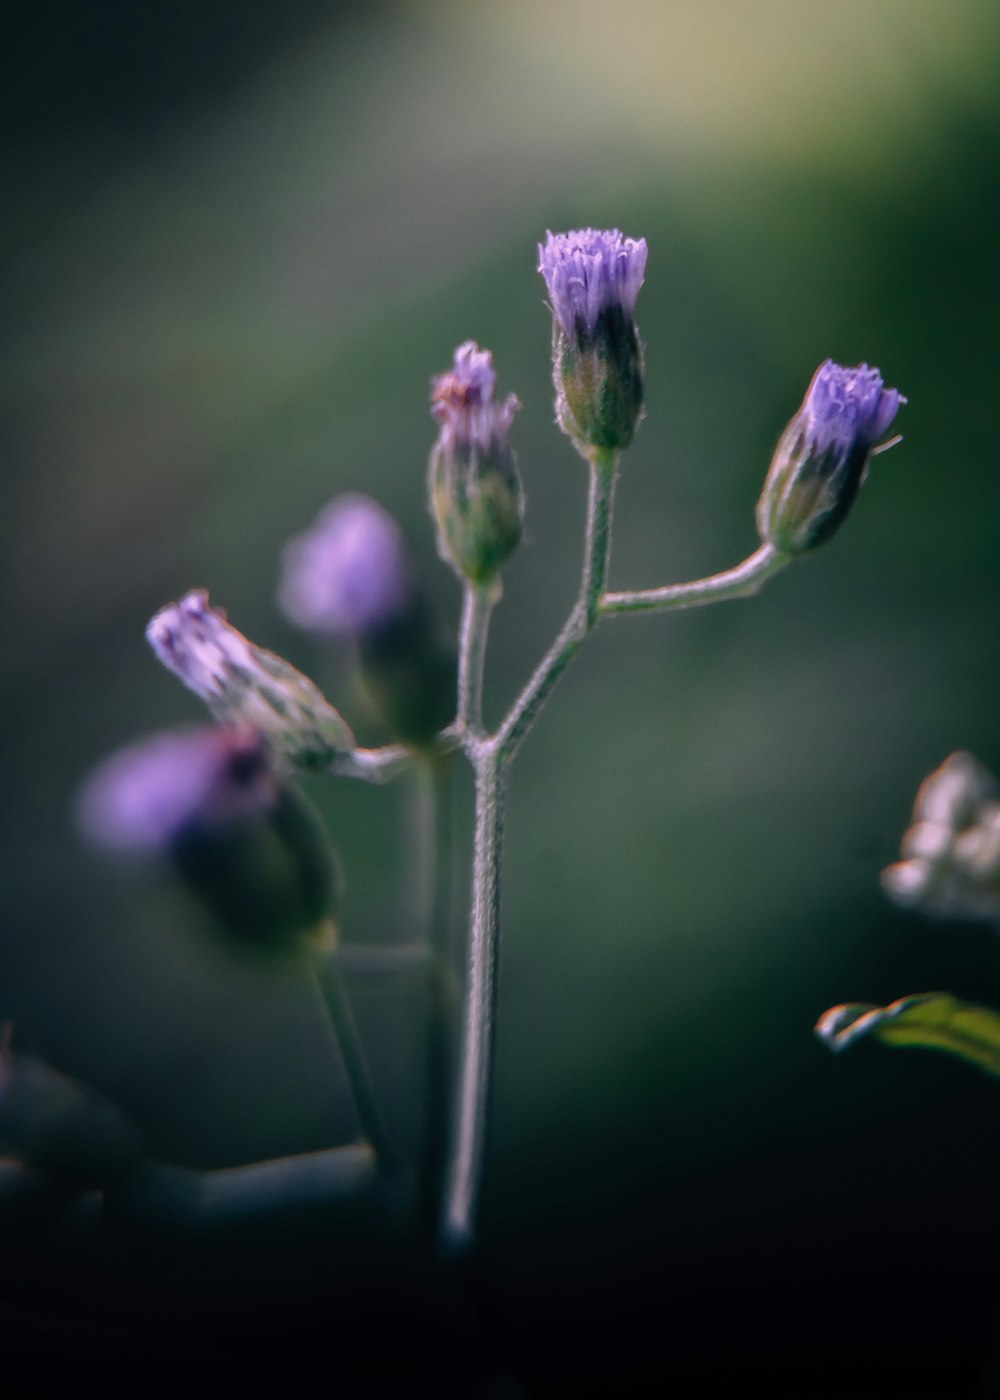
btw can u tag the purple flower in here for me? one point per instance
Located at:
(820, 461)
(475, 490)
(154, 793)
(593, 278)
(348, 574)
(244, 684)
(589, 272)
(847, 408)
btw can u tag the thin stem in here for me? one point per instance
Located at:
(477, 605)
(741, 582)
(419, 842)
(373, 765)
(165, 1195)
(469, 1129)
(441, 993)
(333, 993)
(585, 612)
(384, 764)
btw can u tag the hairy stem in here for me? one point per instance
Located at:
(471, 1113)
(441, 989)
(490, 758)
(586, 610)
(477, 605)
(741, 582)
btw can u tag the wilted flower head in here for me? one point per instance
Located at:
(593, 278)
(475, 489)
(244, 684)
(820, 461)
(348, 573)
(462, 401)
(950, 854)
(212, 804)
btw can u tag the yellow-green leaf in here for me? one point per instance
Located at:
(933, 1020)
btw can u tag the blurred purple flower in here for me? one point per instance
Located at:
(348, 574)
(151, 795)
(589, 271)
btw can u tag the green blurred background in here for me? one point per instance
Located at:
(238, 239)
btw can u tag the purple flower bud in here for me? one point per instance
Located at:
(821, 459)
(348, 574)
(212, 803)
(244, 684)
(475, 489)
(593, 278)
(146, 797)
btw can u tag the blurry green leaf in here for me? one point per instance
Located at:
(933, 1020)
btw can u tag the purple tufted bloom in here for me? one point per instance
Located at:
(844, 407)
(593, 278)
(475, 489)
(213, 804)
(822, 456)
(348, 574)
(587, 273)
(244, 684)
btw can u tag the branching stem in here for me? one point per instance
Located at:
(490, 756)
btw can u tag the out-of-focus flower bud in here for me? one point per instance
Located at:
(950, 864)
(349, 576)
(593, 278)
(349, 572)
(61, 1127)
(214, 805)
(244, 684)
(475, 490)
(822, 456)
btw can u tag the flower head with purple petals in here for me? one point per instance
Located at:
(593, 279)
(820, 461)
(475, 488)
(589, 273)
(847, 408)
(348, 574)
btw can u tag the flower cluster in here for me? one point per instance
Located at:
(219, 806)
